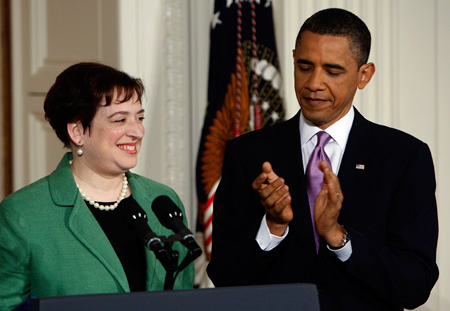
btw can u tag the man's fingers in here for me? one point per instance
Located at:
(331, 183)
(333, 188)
(281, 211)
(329, 201)
(272, 194)
(271, 188)
(323, 166)
(259, 182)
(267, 168)
(266, 177)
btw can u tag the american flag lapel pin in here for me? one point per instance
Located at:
(360, 166)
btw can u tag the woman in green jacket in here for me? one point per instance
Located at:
(71, 233)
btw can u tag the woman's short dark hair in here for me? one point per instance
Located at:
(79, 91)
(341, 23)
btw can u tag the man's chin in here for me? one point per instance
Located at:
(313, 117)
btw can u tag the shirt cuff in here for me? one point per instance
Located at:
(265, 239)
(343, 254)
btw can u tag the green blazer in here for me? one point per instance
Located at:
(51, 244)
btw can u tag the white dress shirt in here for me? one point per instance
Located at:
(339, 132)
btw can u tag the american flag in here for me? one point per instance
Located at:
(243, 91)
(360, 166)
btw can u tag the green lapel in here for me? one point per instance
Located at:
(144, 195)
(82, 223)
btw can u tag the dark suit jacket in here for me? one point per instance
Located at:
(389, 210)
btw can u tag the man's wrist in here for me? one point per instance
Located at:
(345, 239)
(275, 228)
(265, 239)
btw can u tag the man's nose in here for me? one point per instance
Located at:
(315, 81)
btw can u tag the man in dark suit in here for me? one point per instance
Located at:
(375, 217)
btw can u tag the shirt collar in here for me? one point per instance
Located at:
(339, 131)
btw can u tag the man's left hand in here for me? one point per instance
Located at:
(328, 207)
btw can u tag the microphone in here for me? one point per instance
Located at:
(171, 217)
(167, 257)
(151, 240)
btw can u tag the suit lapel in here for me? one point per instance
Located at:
(287, 163)
(357, 167)
(82, 223)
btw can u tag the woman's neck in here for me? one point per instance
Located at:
(98, 186)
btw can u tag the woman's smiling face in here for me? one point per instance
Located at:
(113, 140)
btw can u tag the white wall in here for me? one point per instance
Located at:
(441, 149)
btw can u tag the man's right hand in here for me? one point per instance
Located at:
(275, 198)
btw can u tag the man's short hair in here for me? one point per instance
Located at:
(341, 23)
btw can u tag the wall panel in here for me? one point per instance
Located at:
(48, 36)
(442, 149)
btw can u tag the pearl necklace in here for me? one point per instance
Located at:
(111, 207)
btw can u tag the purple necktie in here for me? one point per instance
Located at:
(314, 176)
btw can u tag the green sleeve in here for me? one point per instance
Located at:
(14, 258)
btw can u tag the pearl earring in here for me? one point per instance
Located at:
(79, 151)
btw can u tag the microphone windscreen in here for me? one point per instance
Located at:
(164, 208)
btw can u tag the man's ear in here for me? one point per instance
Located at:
(75, 130)
(366, 73)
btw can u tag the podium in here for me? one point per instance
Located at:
(299, 297)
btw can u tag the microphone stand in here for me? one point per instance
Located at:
(162, 248)
(169, 259)
(170, 263)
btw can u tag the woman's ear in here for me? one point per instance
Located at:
(75, 130)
